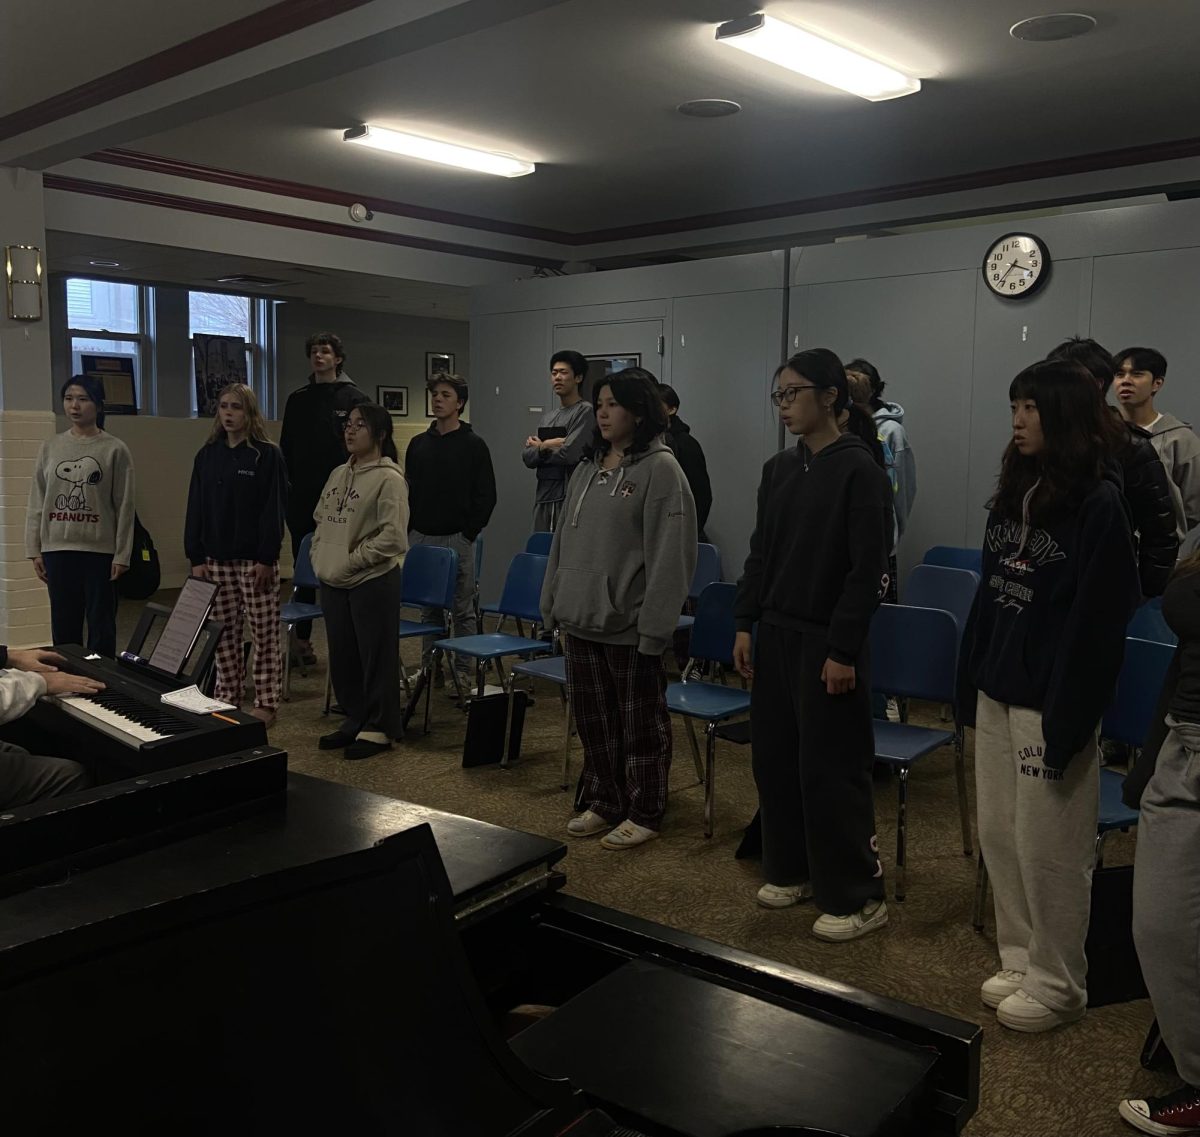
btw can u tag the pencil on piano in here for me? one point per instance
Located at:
(224, 718)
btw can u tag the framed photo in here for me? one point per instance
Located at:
(116, 376)
(436, 361)
(394, 400)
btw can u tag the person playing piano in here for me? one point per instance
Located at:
(232, 537)
(25, 676)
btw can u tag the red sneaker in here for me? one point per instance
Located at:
(1172, 1115)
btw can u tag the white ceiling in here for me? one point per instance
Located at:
(71, 252)
(588, 89)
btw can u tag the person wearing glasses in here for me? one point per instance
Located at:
(357, 550)
(816, 572)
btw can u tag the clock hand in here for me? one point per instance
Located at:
(1010, 268)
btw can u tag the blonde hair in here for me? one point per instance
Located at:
(256, 428)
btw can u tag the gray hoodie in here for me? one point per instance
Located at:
(624, 552)
(889, 421)
(1179, 450)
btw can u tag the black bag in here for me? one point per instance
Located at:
(144, 574)
(1114, 974)
(486, 716)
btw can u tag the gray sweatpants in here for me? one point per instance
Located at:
(1166, 895)
(462, 618)
(26, 777)
(545, 515)
(1037, 833)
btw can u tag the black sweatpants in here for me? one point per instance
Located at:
(812, 755)
(363, 626)
(81, 587)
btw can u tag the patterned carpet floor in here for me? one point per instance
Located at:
(1066, 1082)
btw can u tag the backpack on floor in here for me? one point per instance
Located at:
(144, 574)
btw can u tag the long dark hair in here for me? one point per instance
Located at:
(867, 368)
(1076, 428)
(95, 392)
(379, 423)
(823, 368)
(635, 389)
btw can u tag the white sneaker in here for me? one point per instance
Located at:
(587, 824)
(627, 835)
(784, 895)
(893, 709)
(998, 988)
(838, 929)
(1021, 1011)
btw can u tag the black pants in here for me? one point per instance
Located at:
(26, 777)
(81, 588)
(363, 625)
(303, 595)
(812, 755)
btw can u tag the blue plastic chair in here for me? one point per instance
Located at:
(950, 556)
(551, 669)
(711, 703)
(428, 580)
(521, 600)
(935, 586)
(478, 573)
(293, 612)
(914, 654)
(539, 543)
(1148, 623)
(708, 571)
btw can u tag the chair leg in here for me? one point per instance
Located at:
(287, 664)
(328, 689)
(710, 768)
(691, 733)
(1101, 841)
(901, 831)
(566, 767)
(981, 890)
(505, 756)
(964, 809)
(433, 658)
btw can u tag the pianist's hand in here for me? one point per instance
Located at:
(64, 683)
(117, 570)
(34, 659)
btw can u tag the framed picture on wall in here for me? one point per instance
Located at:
(394, 400)
(436, 361)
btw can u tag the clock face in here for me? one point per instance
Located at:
(1016, 265)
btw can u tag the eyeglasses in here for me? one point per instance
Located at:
(355, 426)
(788, 394)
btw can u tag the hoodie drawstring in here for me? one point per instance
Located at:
(1025, 515)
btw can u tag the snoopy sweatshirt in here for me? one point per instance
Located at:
(82, 498)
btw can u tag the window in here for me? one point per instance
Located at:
(217, 314)
(105, 317)
(247, 318)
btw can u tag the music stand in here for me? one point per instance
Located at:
(198, 664)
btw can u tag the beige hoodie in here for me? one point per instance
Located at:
(362, 523)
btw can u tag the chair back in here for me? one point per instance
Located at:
(1139, 685)
(714, 629)
(539, 543)
(708, 569)
(428, 577)
(914, 652)
(522, 596)
(950, 556)
(302, 571)
(1148, 623)
(934, 586)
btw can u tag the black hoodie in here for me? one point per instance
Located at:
(819, 554)
(1047, 630)
(451, 485)
(690, 457)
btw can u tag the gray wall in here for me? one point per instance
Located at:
(722, 325)
(917, 308)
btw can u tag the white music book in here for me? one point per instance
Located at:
(194, 700)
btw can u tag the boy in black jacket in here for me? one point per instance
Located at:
(451, 495)
(689, 455)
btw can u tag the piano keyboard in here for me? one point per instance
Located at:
(122, 717)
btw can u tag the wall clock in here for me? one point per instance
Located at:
(1016, 265)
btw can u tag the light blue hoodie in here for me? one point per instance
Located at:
(889, 420)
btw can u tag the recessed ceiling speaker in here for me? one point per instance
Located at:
(1060, 25)
(708, 108)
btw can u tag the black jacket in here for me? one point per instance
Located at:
(1047, 630)
(313, 442)
(690, 456)
(819, 554)
(1147, 489)
(236, 503)
(451, 485)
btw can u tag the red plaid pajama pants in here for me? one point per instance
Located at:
(237, 600)
(619, 699)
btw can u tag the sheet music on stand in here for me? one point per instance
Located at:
(183, 625)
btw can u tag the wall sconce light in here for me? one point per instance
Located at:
(23, 269)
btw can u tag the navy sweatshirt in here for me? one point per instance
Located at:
(451, 484)
(819, 554)
(1047, 630)
(236, 503)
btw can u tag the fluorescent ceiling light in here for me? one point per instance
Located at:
(809, 54)
(445, 153)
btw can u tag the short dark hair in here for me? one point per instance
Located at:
(574, 360)
(635, 389)
(1091, 356)
(94, 389)
(823, 369)
(669, 396)
(449, 379)
(332, 341)
(379, 423)
(867, 368)
(1143, 359)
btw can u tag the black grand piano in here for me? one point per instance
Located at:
(225, 948)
